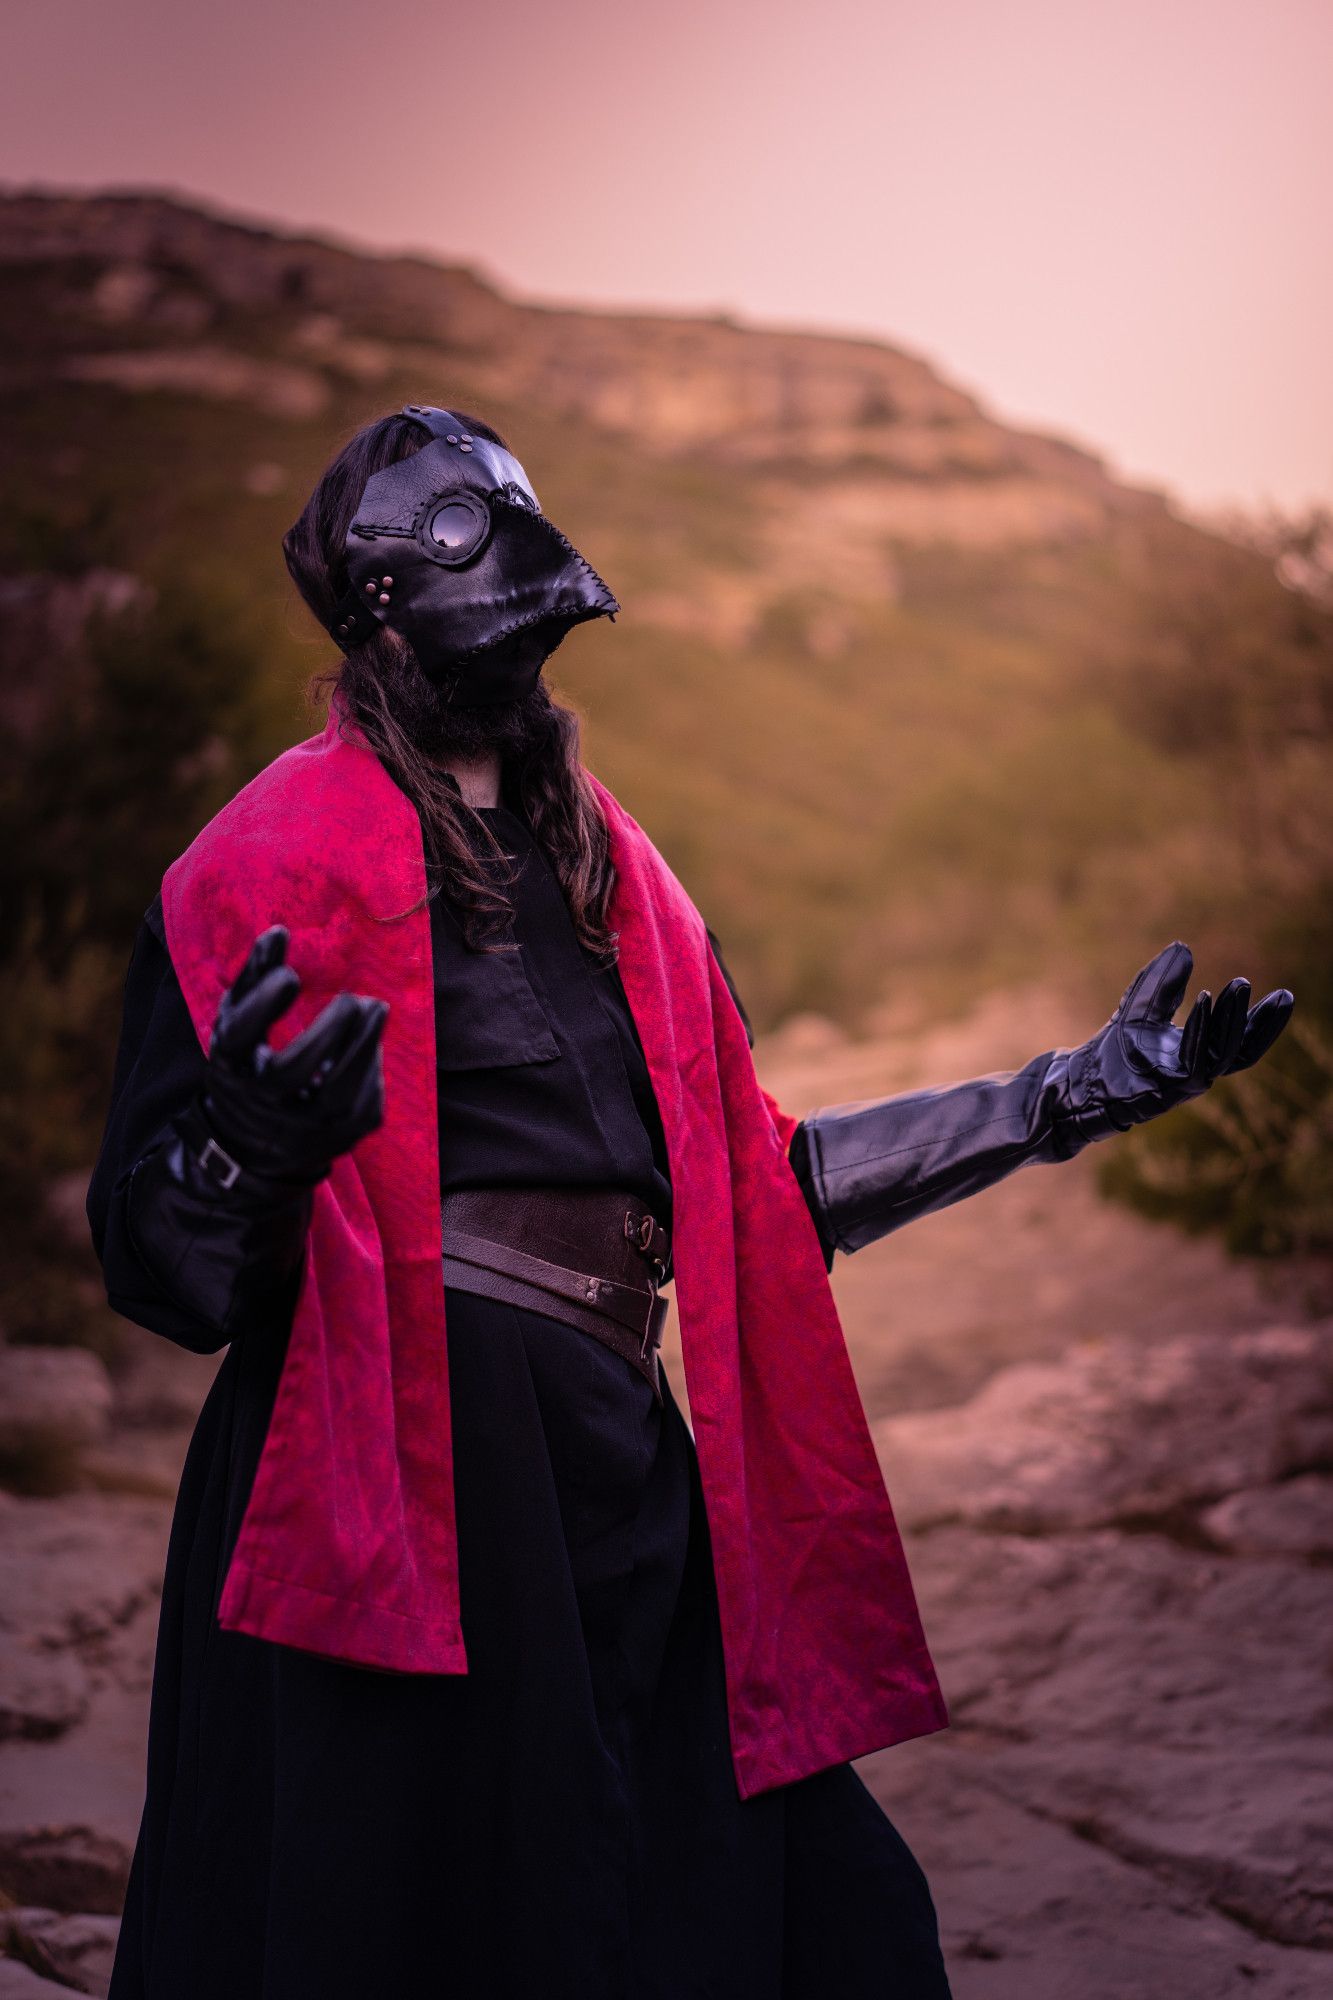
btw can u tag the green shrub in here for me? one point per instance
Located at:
(1253, 1159)
(153, 726)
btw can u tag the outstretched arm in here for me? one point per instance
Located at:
(868, 1168)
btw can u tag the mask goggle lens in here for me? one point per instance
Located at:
(456, 529)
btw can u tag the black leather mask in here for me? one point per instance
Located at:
(450, 548)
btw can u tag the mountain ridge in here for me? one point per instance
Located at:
(917, 706)
(755, 395)
(897, 689)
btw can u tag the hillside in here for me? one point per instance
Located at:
(916, 702)
(770, 507)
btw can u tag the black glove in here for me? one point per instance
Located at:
(219, 1208)
(289, 1113)
(1141, 1064)
(866, 1169)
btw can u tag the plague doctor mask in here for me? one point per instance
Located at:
(450, 548)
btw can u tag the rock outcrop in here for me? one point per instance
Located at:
(1121, 1433)
(909, 453)
(53, 1401)
(1122, 1558)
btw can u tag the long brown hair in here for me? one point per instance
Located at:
(381, 684)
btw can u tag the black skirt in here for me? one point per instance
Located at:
(560, 1821)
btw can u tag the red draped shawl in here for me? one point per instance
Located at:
(347, 1546)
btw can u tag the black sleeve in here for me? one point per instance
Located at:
(184, 1252)
(159, 1069)
(798, 1152)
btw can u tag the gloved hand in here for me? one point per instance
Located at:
(219, 1207)
(290, 1113)
(866, 1169)
(1140, 1064)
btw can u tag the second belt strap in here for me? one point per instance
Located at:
(626, 1317)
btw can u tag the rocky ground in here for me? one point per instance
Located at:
(1123, 1563)
(1112, 1454)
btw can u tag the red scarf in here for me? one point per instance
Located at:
(347, 1547)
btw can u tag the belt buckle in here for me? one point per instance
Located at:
(227, 1171)
(640, 1230)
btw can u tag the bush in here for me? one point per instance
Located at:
(144, 724)
(1254, 1158)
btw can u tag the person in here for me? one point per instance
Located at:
(479, 1670)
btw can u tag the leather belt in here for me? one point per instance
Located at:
(592, 1257)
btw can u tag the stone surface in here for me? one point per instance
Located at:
(74, 1570)
(19, 1982)
(1295, 1518)
(41, 1694)
(1110, 1447)
(80, 1595)
(51, 1399)
(76, 1951)
(1032, 1909)
(1116, 1431)
(1120, 1564)
(70, 1868)
(1165, 1703)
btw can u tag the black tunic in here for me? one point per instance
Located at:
(542, 1078)
(563, 1819)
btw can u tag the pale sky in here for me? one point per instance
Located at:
(1114, 220)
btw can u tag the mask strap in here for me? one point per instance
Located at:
(354, 620)
(440, 423)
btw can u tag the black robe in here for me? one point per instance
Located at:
(562, 1820)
